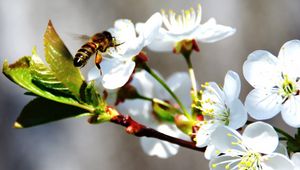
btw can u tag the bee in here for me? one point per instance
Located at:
(97, 44)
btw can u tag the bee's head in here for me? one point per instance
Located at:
(79, 61)
(107, 35)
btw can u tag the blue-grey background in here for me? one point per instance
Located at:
(73, 144)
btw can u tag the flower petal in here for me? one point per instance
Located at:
(289, 57)
(117, 74)
(210, 152)
(238, 115)
(281, 148)
(224, 139)
(93, 74)
(291, 111)
(204, 133)
(156, 147)
(276, 161)
(124, 30)
(296, 160)
(261, 69)
(211, 32)
(261, 137)
(181, 85)
(151, 28)
(140, 110)
(262, 104)
(145, 84)
(162, 44)
(162, 149)
(232, 86)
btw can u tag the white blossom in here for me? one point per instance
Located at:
(276, 84)
(186, 27)
(254, 150)
(220, 107)
(118, 66)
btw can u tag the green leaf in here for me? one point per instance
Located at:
(91, 95)
(60, 61)
(164, 113)
(40, 111)
(31, 74)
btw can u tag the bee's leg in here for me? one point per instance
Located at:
(98, 59)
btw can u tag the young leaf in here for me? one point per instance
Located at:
(91, 96)
(60, 61)
(41, 110)
(24, 73)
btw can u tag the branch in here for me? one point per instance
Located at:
(133, 127)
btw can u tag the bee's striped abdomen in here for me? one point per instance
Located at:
(84, 53)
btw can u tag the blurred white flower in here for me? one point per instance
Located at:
(186, 27)
(141, 110)
(119, 66)
(276, 83)
(254, 150)
(220, 107)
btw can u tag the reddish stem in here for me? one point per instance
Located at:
(133, 127)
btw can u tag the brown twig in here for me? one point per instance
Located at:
(133, 127)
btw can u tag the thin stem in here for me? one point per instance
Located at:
(156, 100)
(191, 72)
(154, 75)
(133, 127)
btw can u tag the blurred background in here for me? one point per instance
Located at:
(73, 144)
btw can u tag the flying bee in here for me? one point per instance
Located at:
(97, 44)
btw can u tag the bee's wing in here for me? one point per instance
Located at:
(80, 37)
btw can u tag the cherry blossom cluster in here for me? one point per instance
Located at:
(210, 115)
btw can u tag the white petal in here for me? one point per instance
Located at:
(118, 73)
(210, 152)
(291, 111)
(261, 137)
(238, 115)
(151, 28)
(156, 147)
(144, 83)
(140, 110)
(220, 162)
(262, 104)
(276, 161)
(211, 32)
(204, 133)
(289, 57)
(224, 138)
(162, 149)
(133, 47)
(181, 85)
(232, 86)
(261, 69)
(216, 91)
(124, 30)
(281, 148)
(94, 74)
(296, 160)
(162, 44)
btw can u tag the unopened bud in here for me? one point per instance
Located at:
(141, 59)
(126, 92)
(184, 124)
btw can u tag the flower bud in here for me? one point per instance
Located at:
(186, 47)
